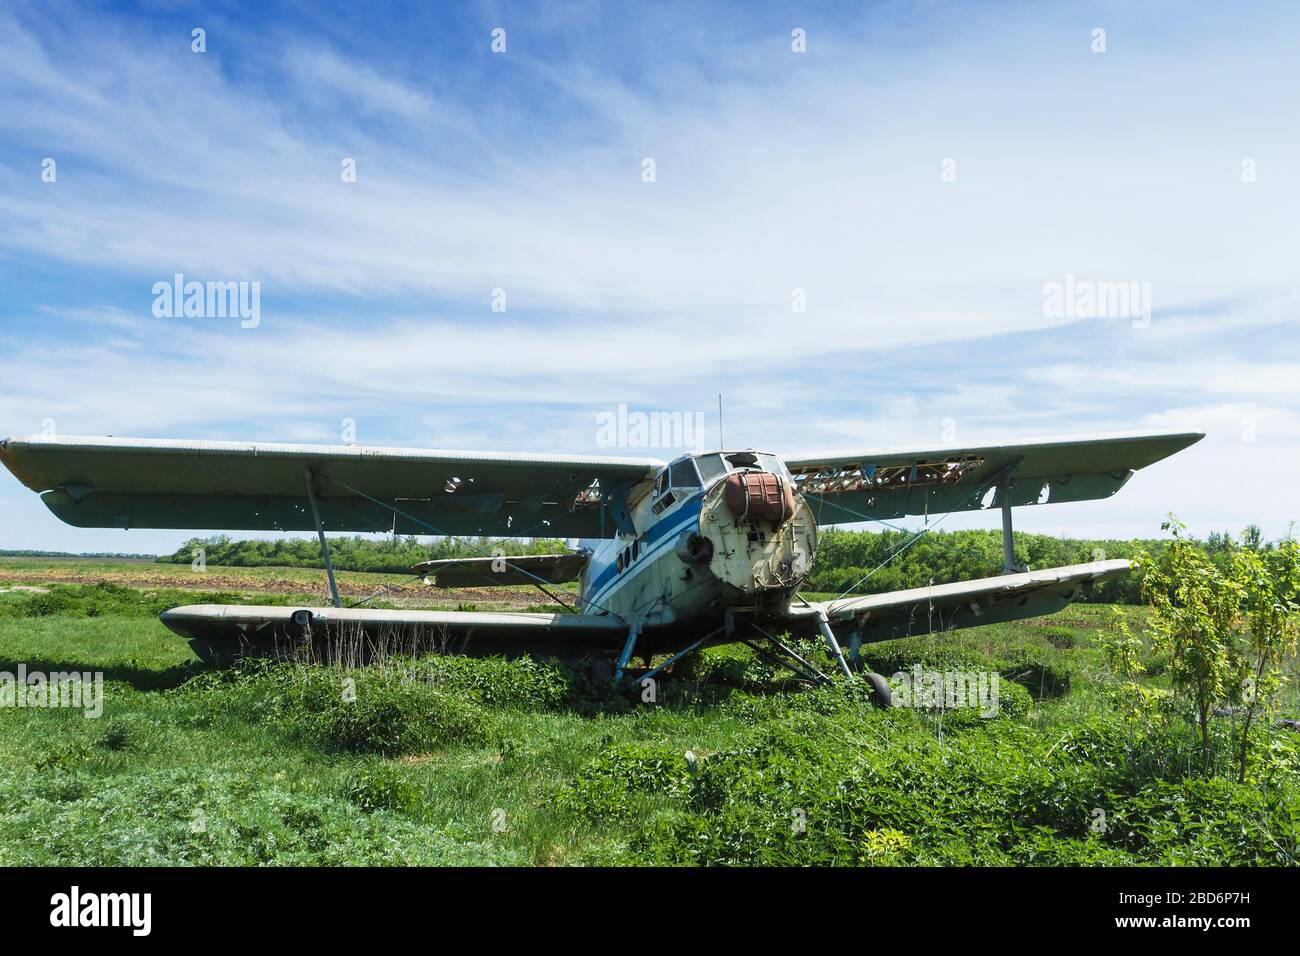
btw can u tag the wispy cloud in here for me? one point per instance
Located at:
(778, 176)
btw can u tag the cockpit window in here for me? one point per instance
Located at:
(711, 467)
(743, 459)
(663, 495)
(682, 474)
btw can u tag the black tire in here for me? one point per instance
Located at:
(602, 672)
(881, 695)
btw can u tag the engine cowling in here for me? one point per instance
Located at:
(760, 495)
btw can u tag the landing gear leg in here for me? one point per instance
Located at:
(824, 623)
(880, 693)
(628, 647)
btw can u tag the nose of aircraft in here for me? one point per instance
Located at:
(762, 533)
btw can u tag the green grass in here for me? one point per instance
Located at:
(456, 761)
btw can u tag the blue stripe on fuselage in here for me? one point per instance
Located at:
(666, 528)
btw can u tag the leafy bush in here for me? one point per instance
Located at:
(1013, 699)
(517, 682)
(727, 667)
(386, 710)
(116, 736)
(1061, 637)
(616, 784)
(382, 788)
(379, 712)
(1216, 823)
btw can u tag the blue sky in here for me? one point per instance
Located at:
(775, 171)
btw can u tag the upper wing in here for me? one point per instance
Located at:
(489, 572)
(890, 483)
(145, 483)
(947, 607)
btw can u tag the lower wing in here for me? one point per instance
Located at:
(949, 607)
(460, 632)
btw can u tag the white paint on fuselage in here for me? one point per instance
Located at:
(650, 589)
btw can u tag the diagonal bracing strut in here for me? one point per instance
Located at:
(320, 534)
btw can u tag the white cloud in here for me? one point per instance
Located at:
(821, 175)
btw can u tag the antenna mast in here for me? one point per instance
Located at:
(722, 445)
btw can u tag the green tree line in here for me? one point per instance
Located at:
(355, 553)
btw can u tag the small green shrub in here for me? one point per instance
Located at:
(736, 667)
(116, 736)
(1061, 637)
(1013, 699)
(390, 710)
(379, 712)
(615, 784)
(522, 682)
(382, 788)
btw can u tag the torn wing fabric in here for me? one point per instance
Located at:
(144, 483)
(844, 487)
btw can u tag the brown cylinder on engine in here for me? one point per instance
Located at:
(759, 494)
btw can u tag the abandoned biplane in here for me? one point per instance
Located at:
(710, 548)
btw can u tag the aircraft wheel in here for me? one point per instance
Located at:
(881, 695)
(602, 671)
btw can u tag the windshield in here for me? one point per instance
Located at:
(682, 474)
(711, 467)
(716, 465)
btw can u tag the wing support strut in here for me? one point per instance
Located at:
(1009, 565)
(803, 668)
(320, 534)
(689, 649)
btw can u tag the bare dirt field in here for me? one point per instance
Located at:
(400, 589)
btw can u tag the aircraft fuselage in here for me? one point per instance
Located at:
(713, 532)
